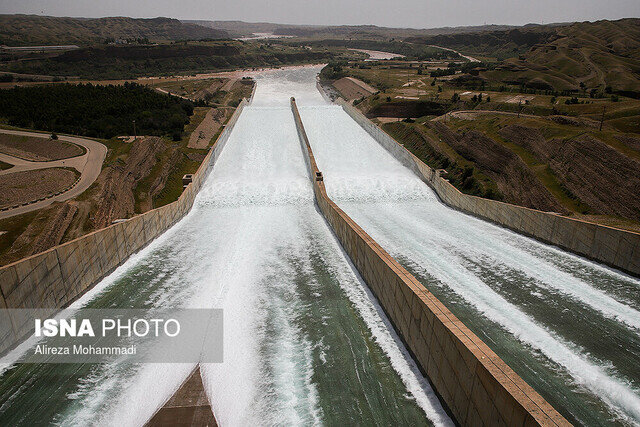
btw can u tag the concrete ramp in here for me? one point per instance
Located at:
(189, 406)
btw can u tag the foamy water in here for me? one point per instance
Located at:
(305, 342)
(570, 327)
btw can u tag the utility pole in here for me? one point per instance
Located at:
(519, 107)
(135, 135)
(604, 109)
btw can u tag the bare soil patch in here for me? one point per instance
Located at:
(351, 88)
(575, 121)
(27, 186)
(517, 183)
(201, 137)
(133, 182)
(38, 149)
(600, 176)
(45, 231)
(630, 141)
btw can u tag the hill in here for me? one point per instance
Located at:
(600, 55)
(603, 56)
(25, 30)
(499, 43)
(118, 62)
(241, 28)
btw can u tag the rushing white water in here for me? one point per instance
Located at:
(305, 341)
(554, 303)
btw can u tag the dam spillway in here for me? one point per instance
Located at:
(566, 325)
(305, 341)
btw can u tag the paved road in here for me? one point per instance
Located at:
(89, 165)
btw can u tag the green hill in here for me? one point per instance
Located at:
(582, 56)
(25, 30)
(597, 54)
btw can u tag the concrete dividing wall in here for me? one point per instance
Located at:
(476, 385)
(55, 278)
(617, 248)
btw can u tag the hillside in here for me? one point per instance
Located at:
(577, 57)
(118, 62)
(25, 30)
(499, 44)
(600, 54)
(241, 28)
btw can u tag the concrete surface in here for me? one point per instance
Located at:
(55, 278)
(611, 246)
(477, 386)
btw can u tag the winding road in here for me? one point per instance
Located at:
(89, 165)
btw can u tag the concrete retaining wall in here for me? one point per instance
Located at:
(56, 277)
(617, 248)
(476, 385)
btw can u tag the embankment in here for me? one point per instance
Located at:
(476, 385)
(617, 248)
(55, 278)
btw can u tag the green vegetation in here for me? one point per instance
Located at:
(497, 44)
(460, 172)
(95, 111)
(14, 227)
(119, 62)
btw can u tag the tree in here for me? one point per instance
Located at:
(54, 136)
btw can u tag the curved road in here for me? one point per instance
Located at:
(89, 165)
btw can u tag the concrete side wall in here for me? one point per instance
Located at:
(617, 248)
(477, 386)
(56, 277)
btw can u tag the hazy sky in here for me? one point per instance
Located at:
(390, 13)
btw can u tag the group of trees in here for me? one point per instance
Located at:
(95, 111)
(443, 72)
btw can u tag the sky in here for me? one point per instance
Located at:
(388, 13)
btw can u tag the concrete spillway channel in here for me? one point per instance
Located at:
(569, 327)
(305, 339)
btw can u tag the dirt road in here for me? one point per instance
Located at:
(89, 165)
